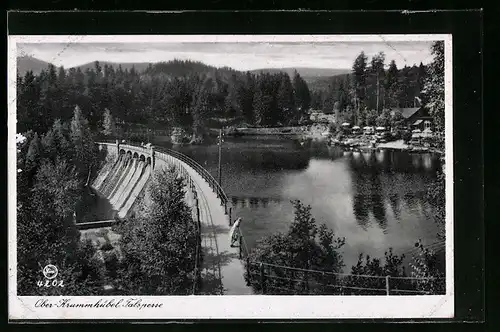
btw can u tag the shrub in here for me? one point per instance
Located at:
(406, 135)
(159, 246)
(306, 246)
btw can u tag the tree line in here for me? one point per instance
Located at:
(189, 94)
(373, 86)
(173, 94)
(372, 89)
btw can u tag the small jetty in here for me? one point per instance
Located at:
(364, 145)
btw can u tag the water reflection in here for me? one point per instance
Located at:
(395, 205)
(392, 161)
(384, 178)
(254, 202)
(375, 199)
(330, 153)
(368, 197)
(273, 160)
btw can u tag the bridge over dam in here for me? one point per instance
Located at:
(124, 178)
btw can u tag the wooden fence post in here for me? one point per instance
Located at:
(262, 279)
(230, 210)
(387, 292)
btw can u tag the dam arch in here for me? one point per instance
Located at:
(210, 201)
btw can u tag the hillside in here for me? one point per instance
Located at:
(138, 66)
(316, 78)
(27, 63)
(179, 68)
(323, 83)
(305, 72)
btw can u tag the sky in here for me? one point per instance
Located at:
(240, 56)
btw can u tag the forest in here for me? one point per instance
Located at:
(53, 172)
(60, 111)
(173, 94)
(396, 88)
(194, 96)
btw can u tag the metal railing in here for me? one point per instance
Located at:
(182, 171)
(214, 185)
(95, 224)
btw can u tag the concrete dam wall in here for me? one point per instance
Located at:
(122, 178)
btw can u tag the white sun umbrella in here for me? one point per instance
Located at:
(233, 230)
(345, 124)
(355, 127)
(380, 128)
(367, 128)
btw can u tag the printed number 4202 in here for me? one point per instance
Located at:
(49, 283)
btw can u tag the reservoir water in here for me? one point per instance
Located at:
(375, 200)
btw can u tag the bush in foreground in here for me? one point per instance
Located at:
(159, 246)
(306, 246)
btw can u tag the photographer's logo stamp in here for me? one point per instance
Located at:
(50, 272)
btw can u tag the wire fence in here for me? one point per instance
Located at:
(269, 278)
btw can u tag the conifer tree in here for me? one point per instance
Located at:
(246, 94)
(286, 100)
(200, 106)
(160, 246)
(377, 68)
(421, 77)
(302, 93)
(391, 86)
(33, 157)
(85, 149)
(359, 78)
(306, 245)
(108, 124)
(434, 85)
(47, 235)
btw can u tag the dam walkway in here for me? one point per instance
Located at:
(222, 271)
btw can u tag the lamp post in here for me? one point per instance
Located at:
(220, 140)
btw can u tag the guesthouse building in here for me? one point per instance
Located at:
(417, 118)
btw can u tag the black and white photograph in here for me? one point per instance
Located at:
(246, 174)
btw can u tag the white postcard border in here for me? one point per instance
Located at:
(223, 307)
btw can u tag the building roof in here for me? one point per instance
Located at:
(408, 111)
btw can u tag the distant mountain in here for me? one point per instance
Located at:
(27, 63)
(316, 78)
(323, 83)
(172, 68)
(138, 66)
(178, 68)
(305, 72)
